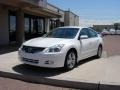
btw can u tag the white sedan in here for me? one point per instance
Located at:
(118, 32)
(62, 47)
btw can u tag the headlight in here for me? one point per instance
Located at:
(56, 48)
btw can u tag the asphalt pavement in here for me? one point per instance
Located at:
(112, 45)
(11, 84)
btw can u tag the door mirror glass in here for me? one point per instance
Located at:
(83, 37)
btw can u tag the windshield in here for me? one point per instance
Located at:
(68, 33)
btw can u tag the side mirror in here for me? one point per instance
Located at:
(83, 37)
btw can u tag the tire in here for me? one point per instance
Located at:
(99, 52)
(70, 60)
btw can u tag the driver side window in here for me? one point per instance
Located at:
(84, 31)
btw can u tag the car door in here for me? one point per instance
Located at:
(94, 41)
(85, 44)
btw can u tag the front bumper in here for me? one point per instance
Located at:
(50, 60)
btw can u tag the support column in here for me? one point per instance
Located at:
(20, 26)
(47, 24)
(4, 30)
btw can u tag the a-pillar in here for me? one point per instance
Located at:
(47, 24)
(20, 26)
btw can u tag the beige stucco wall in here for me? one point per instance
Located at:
(66, 20)
(77, 20)
(71, 19)
(4, 32)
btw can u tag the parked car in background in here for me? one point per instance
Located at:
(112, 31)
(118, 32)
(105, 32)
(100, 34)
(62, 47)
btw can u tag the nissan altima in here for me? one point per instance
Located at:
(62, 47)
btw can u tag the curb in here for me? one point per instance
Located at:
(109, 86)
(67, 82)
(77, 84)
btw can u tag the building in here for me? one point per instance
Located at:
(99, 28)
(108, 27)
(71, 19)
(25, 19)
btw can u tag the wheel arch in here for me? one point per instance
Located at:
(73, 49)
(100, 45)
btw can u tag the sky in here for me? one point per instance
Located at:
(92, 11)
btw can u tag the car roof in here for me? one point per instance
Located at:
(73, 27)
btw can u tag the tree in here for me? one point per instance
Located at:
(116, 27)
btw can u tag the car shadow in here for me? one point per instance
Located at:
(85, 61)
(45, 72)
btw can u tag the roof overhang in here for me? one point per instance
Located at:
(35, 9)
(31, 8)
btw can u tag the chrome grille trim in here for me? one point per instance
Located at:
(29, 49)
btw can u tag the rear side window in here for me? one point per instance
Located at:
(92, 33)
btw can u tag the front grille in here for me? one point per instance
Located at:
(31, 60)
(29, 49)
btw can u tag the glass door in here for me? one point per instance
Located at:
(27, 28)
(12, 27)
(34, 26)
(37, 27)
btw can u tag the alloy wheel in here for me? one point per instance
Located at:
(71, 60)
(99, 53)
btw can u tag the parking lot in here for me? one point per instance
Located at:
(112, 45)
(89, 66)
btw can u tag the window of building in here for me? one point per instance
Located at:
(27, 27)
(55, 23)
(41, 25)
(12, 27)
(34, 26)
(37, 25)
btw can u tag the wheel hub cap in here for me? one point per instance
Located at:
(71, 60)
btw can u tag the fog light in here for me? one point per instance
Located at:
(49, 62)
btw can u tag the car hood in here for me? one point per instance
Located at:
(46, 42)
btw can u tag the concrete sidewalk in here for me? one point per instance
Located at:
(93, 74)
